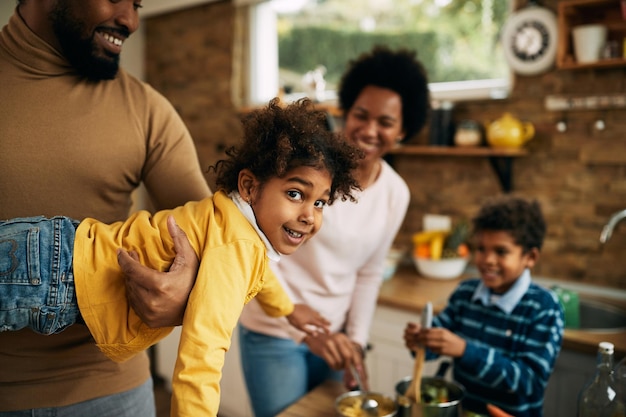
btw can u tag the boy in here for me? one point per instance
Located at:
(503, 331)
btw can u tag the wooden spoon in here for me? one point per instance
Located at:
(414, 391)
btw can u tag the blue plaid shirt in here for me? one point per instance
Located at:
(512, 339)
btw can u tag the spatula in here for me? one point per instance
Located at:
(415, 387)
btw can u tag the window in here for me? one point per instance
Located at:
(456, 40)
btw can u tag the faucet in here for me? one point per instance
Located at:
(607, 230)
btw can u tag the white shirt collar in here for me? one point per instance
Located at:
(248, 213)
(507, 301)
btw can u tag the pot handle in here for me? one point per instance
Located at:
(443, 368)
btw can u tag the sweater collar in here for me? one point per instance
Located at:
(35, 55)
(248, 213)
(507, 301)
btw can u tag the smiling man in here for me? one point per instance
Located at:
(89, 39)
(77, 136)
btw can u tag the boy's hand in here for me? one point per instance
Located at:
(436, 339)
(306, 319)
(444, 342)
(160, 298)
(412, 337)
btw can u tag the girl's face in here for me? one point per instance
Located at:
(374, 122)
(289, 209)
(500, 260)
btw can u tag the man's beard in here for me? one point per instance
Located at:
(79, 50)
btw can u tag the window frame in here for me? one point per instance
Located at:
(264, 80)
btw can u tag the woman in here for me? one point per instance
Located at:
(385, 100)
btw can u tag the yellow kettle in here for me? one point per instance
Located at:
(509, 132)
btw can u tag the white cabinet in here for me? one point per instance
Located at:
(389, 360)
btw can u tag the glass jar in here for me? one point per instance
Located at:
(468, 133)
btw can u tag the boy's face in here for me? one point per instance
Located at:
(500, 260)
(289, 209)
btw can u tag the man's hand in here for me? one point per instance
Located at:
(160, 298)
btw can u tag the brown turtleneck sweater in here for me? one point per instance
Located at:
(76, 148)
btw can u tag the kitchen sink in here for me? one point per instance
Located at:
(596, 316)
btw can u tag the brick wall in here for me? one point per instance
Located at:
(579, 176)
(189, 60)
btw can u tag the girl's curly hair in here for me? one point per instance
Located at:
(399, 71)
(277, 140)
(522, 218)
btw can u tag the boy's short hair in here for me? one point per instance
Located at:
(522, 218)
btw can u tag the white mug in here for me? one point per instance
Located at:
(589, 40)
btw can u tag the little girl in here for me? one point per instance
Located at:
(272, 191)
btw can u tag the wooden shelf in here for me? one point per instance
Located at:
(579, 12)
(501, 159)
(478, 151)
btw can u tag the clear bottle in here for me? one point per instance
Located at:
(620, 380)
(598, 397)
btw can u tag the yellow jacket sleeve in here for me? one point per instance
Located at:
(273, 299)
(222, 287)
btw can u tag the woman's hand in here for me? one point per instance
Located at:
(305, 319)
(336, 349)
(160, 298)
(339, 352)
(349, 379)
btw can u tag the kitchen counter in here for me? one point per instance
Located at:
(409, 291)
(320, 402)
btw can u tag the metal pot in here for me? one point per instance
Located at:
(348, 404)
(451, 408)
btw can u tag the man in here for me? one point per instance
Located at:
(78, 135)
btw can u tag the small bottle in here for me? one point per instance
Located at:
(620, 380)
(598, 398)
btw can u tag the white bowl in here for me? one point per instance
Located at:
(449, 268)
(391, 262)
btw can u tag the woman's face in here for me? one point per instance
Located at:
(374, 122)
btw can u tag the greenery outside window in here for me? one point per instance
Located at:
(456, 40)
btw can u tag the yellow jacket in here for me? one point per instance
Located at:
(233, 269)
